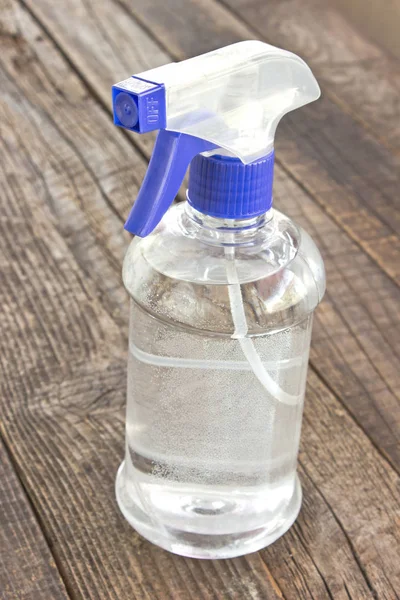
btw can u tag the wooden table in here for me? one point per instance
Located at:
(68, 178)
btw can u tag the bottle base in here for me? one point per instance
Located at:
(197, 545)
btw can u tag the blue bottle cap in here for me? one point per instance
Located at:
(221, 186)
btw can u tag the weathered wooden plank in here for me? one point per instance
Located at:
(356, 337)
(72, 153)
(341, 502)
(27, 568)
(360, 76)
(63, 369)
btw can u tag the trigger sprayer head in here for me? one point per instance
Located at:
(229, 100)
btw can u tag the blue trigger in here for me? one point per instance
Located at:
(169, 162)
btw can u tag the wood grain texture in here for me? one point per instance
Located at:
(356, 339)
(65, 174)
(27, 568)
(360, 76)
(342, 508)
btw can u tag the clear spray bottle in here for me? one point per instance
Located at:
(222, 288)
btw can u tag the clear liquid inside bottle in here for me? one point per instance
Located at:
(212, 438)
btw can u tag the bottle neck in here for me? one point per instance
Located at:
(226, 232)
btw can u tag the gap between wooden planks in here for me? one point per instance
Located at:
(21, 539)
(74, 355)
(359, 323)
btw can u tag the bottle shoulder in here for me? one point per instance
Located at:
(183, 274)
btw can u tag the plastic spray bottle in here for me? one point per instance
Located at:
(223, 288)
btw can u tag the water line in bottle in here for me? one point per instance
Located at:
(180, 362)
(241, 330)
